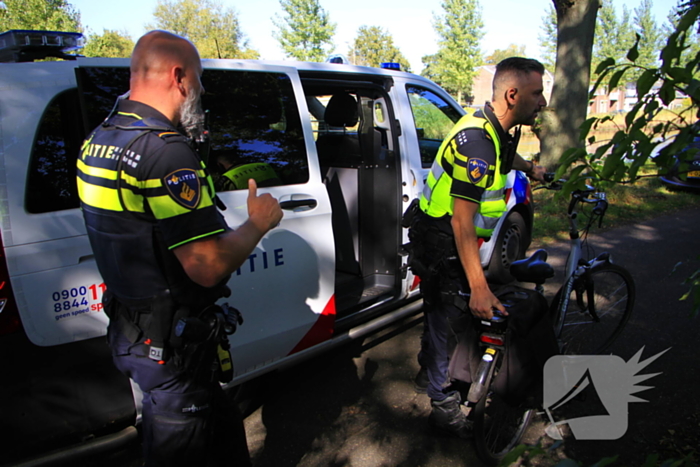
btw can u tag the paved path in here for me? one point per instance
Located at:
(357, 407)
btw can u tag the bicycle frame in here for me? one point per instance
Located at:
(575, 265)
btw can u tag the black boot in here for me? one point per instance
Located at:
(447, 416)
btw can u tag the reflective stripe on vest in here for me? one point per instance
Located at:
(492, 204)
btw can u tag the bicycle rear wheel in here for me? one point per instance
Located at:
(498, 427)
(613, 294)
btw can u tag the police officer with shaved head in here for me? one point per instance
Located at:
(462, 201)
(166, 253)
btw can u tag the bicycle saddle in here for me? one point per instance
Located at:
(533, 269)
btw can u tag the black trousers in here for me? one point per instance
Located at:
(187, 419)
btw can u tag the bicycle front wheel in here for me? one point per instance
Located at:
(611, 290)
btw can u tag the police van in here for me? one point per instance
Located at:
(349, 147)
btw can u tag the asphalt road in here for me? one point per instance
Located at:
(356, 407)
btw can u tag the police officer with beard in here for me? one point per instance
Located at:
(165, 253)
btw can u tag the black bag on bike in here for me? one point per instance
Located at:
(530, 342)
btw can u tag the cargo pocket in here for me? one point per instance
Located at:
(180, 426)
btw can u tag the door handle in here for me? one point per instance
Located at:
(293, 204)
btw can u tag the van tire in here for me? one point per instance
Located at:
(510, 246)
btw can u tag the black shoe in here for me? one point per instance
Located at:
(420, 382)
(447, 416)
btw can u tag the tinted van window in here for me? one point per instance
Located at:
(254, 124)
(255, 129)
(51, 184)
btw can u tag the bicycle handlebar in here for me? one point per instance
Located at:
(587, 195)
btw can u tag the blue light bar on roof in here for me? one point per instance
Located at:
(391, 66)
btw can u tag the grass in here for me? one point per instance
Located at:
(628, 204)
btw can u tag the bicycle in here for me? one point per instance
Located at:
(589, 311)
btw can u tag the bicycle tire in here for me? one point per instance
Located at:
(498, 426)
(614, 294)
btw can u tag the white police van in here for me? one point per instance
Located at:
(350, 147)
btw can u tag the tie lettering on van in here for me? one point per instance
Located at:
(264, 260)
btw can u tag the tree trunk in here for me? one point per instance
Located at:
(569, 102)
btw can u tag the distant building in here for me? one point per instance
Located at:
(622, 99)
(482, 90)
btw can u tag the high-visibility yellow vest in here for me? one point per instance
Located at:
(436, 200)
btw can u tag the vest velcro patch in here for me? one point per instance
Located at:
(477, 169)
(184, 187)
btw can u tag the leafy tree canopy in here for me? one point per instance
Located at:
(512, 50)
(305, 32)
(51, 15)
(620, 158)
(108, 44)
(460, 30)
(215, 31)
(613, 36)
(373, 46)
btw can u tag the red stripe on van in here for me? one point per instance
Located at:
(322, 329)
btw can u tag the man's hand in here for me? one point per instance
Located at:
(263, 211)
(537, 173)
(483, 302)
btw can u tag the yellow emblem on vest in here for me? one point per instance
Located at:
(187, 193)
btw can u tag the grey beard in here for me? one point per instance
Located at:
(192, 116)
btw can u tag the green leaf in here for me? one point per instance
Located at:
(601, 151)
(667, 92)
(600, 79)
(689, 18)
(616, 77)
(671, 51)
(586, 128)
(571, 155)
(633, 53)
(632, 114)
(646, 81)
(612, 163)
(608, 62)
(680, 74)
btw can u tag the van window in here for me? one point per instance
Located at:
(434, 117)
(254, 123)
(51, 184)
(255, 129)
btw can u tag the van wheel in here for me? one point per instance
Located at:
(510, 246)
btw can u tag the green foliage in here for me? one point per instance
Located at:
(215, 31)
(620, 158)
(108, 44)
(51, 15)
(649, 40)
(548, 37)
(512, 50)
(460, 30)
(305, 32)
(613, 37)
(373, 46)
